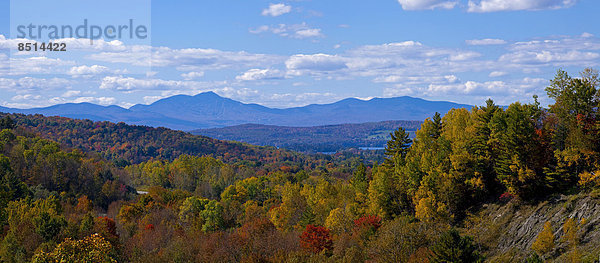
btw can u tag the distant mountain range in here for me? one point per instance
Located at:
(209, 110)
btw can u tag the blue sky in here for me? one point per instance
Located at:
(293, 53)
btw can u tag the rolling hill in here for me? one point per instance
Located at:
(330, 138)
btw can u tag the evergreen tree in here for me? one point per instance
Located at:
(359, 178)
(437, 125)
(7, 123)
(483, 148)
(451, 247)
(397, 147)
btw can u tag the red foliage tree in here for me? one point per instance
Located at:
(365, 227)
(372, 222)
(316, 239)
(107, 228)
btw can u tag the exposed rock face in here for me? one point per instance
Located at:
(509, 230)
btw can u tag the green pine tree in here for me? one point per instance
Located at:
(451, 247)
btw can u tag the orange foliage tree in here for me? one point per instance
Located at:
(316, 239)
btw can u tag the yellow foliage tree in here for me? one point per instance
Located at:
(338, 221)
(544, 242)
(589, 180)
(571, 228)
(428, 208)
(93, 248)
(288, 214)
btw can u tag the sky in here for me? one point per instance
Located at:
(293, 53)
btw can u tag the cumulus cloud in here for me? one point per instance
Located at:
(38, 65)
(31, 85)
(484, 42)
(71, 93)
(88, 70)
(573, 57)
(192, 75)
(277, 10)
(190, 59)
(298, 31)
(96, 100)
(300, 99)
(495, 74)
(260, 74)
(167, 87)
(503, 92)
(297, 64)
(469, 87)
(26, 97)
(128, 84)
(586, 35)
(515, 5)
(427, 4)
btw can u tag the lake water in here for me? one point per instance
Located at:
(371, 148)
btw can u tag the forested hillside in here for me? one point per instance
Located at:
(504, 185)
(125, 144)
(331, 138)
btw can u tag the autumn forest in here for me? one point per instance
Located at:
(82, 191)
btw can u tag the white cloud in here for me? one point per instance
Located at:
(26, 97)
(462, 56)
(469, 87)
(573, 57)
(486, 41)
(427, 4)
(316, 63)
(495, 74)
(189, 59)
(300, 99)
(515, 5)
(298, 31)
(418, 80)
(96, 100)
(310, 32)
(277, 10)
(260, 74)
(71, 93)
(586, 35)
(38, 65)
(88, 70)
(32, 85)
(192, 75)
(503, 92)
(167, 87)
(239, 94)
(128, 84)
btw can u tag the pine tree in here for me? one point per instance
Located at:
(6, 123)
(483, 148)
(451, 247)
(437, 125)
(397, 147)
(359, 178)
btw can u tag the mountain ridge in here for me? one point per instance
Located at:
(209, 110)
